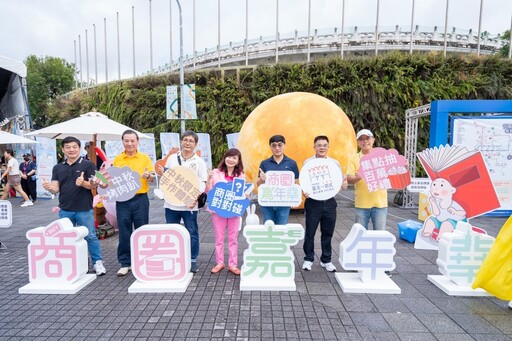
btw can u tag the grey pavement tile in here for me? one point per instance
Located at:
(502, 322)
(473, 324)
(419, 305)
(491, 337)
(388, 303)
(405, 336)
(453, 337)
(374, 322)
(404, 322)
(439, 323)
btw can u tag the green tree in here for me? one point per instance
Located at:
(47, 78)
(504, 49)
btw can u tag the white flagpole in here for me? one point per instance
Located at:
(412, 27)
(342, 26)
(133, 39)
(479, 27)
(446, 27)
(377, 29)
(309, 31)
(80, 59)
(218, 32)
(150, 40)
(118, 50)
(76, 78)
(246, 32)
(87, 57)
(194, 32)
(277, 31)
(95, 57)
(106, 61)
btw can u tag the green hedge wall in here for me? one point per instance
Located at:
(373, 91)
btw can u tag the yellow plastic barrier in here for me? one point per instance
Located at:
(495, 274)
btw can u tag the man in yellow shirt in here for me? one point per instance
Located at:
(133, 213)
(368, 205)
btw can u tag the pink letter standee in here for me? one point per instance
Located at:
(57, 259)
(160, 258)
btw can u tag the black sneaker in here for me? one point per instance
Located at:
(194, 267)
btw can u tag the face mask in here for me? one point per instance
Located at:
(26, 158)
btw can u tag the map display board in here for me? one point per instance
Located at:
(492, 136)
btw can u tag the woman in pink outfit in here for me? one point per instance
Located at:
(230, 167)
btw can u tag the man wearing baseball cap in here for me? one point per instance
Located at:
(368, 205)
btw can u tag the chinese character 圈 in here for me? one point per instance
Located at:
(160, 253)
(268, 260)
(57, 253)
(369, 252)
(462, 252)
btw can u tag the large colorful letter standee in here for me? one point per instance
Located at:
(461, 189)
(268, 261)
(180, 186)
(321, 178)
(370, 253)
(461, 254)
(57, 259)
(279, 189)
(160, 258)
(123, 183)
(384, 169)
(228, 199)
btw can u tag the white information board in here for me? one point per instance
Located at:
(492, 136)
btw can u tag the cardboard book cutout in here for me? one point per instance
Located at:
(461, 188)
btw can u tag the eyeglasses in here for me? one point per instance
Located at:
(277, 145)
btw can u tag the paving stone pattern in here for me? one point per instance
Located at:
(213, 307)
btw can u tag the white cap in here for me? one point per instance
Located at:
(364, 132)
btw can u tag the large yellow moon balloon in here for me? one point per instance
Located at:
(299, 117)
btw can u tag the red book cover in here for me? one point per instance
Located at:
(467, 172)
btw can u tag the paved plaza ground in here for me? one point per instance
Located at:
(213, 307)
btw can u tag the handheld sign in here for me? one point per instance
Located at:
(279, 189)
(224, 201)
(180, 186)
(321, 178)
(123, 183)
(384, 169)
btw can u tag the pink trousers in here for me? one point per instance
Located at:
(219, 226)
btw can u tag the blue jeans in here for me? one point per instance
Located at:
(85, 218)
(377, 215)
(190, 221)
(279, 215)
(131, 214)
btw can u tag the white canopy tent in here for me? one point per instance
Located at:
(13, 95)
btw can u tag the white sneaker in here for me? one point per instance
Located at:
(124, 271)
(27, 203)
(510, 304)
(307, 265)
(328, 266)
(99, 268)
